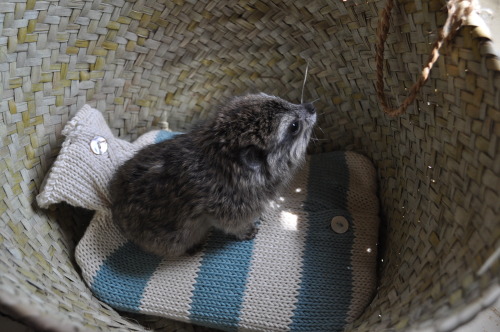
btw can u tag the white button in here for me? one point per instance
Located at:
(99, 145)
(339, 224)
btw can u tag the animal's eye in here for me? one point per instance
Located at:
(294, 127)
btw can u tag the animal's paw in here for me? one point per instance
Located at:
(195, 249)
(251, 232)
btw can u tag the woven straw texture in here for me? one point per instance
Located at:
(143, 62)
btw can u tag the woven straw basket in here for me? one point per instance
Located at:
(143, 62)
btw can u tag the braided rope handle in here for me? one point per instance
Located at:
(458, 10)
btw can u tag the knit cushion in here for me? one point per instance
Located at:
(311, 267)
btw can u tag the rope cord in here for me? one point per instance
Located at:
(458, 10)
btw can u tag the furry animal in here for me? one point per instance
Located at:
(219, 175)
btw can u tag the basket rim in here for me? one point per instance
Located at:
(461, 316)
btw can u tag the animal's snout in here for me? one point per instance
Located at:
(309, 108)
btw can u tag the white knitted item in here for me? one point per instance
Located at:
(79, 176)
(297, 274)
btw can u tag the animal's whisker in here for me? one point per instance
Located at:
(304, 83)
(320, 129)
(318, 139)
(314, 139)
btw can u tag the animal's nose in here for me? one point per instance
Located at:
(309, 107)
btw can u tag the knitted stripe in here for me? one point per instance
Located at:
(170, 288)
(163, 135)
(363, 205)
(220, 284)
(273, 281)
(92, 251)
(325, 288)
(130, 270)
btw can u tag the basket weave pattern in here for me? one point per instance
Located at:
(143, 62)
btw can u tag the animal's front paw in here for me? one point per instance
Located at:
(251, 232)
(195, 249)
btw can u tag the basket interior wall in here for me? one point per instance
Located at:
(143, 62)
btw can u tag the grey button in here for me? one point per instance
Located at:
(99, 145)
(339, 224)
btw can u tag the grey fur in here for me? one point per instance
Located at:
(221, 174)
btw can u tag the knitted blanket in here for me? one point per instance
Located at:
(311, 267)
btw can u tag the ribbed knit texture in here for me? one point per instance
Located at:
(297, 274)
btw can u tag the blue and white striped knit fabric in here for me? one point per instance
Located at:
(296, 275)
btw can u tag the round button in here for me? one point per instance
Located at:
(99, 145)
(339, 224)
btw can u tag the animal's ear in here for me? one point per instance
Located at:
(252, 157)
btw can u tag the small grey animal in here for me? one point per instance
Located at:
(221, 175)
